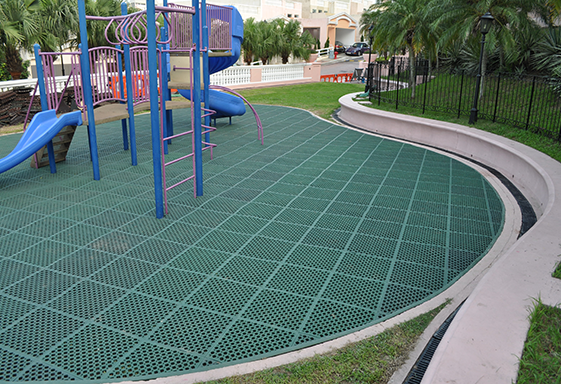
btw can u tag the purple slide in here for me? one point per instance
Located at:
(43, 128)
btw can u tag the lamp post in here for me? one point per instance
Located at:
(485, 25)
(368, 74)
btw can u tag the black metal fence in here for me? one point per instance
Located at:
(522, 101)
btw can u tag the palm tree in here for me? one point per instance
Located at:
(18, 29)
(251, 39)
(60, 22)
(398, 24)
(291, 41)
(460, 20)
(548, 53)
(96, 29)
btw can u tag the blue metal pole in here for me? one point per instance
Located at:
(87, 88)
(169, 114)
(121, 93)
(130, 95)
(44, 103)
(154, 109)
(197, 101)
(206, 73)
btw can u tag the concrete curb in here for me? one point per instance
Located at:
(485, 340)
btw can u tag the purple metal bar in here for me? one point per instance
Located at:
(259, 125)
(105, 68)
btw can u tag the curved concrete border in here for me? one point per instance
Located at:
(486, 338)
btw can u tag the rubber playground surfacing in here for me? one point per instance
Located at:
(320, 232)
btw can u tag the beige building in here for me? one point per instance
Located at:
(337, 19)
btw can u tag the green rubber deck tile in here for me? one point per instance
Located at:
(267, 248)
(241, 194)
(41, 287)
(270, 338)
(299, 280)
(156, 251)
(92, 343)
(426, 254)
(298, 216)
(279, 309)
(78, 212)
(84, 262)
(45, 253)
(116, 242)
(13, 310)
(87, 299)
(314, 257)
(153, 360)
(330, 318)
(171, 284)
(243, 224)
(223, 296)
(111, 219)
(182, 232)
(224, 241)
(352, 290)
(149, 313)
(247, 270)
(398, 295)
(12, 364)
(191, 329)
(319, 232)
(365, 266)
(40, 372)
(407, 273)
(328, 221)
(39, 331)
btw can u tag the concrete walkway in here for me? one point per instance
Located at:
(486, 338)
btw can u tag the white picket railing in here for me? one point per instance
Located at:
(230, 76)
(283, 72)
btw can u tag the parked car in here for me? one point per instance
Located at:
(357, 49)
(340, 47)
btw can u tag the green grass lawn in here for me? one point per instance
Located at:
(373, 360)
(541, 358)
(318, 98)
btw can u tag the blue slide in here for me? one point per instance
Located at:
(224, 104)
(41, 131)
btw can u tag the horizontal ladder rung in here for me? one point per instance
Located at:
(176, 160)
(181, 182)
(178, 135)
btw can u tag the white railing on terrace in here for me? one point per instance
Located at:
(232, 76)
(282, 72)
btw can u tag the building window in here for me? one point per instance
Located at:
(289, 15)
(319, 10)
(314, 10)
(295, 16)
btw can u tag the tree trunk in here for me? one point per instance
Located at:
(412, 74)
(483, 70)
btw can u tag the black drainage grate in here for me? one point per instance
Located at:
(420, 367)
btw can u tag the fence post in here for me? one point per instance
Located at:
(461, 90)
(426, 83)
(497, 98)
(397, 86)
(531, 100)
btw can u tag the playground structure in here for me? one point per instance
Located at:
(137, 72)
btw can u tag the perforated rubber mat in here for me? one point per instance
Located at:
(318, 233)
